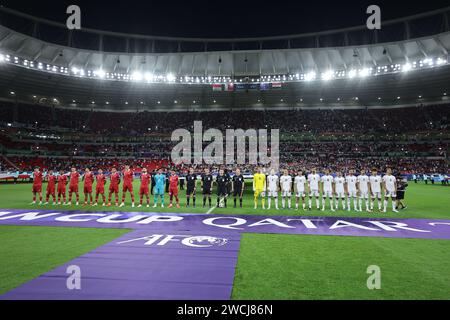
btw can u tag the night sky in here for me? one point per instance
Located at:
(216, 19)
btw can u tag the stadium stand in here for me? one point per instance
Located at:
(413, 139)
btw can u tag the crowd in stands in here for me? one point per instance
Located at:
(415, 139)
(398, 120)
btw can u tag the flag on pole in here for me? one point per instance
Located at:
(276, 85)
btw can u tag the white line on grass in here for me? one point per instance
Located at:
(211, 210)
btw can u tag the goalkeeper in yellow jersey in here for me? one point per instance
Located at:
(259, 187)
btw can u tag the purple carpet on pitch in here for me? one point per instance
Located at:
(145, 265)
(181, 256)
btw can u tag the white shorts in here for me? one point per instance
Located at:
(364, 195)
(301, 194)
(340, 194)
(273, 194)
(327, 193)
(390, 194)
(352, 193)
(376, 194)
(313, 193)
(286, 193)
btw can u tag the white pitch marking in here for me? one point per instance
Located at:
(211, 210)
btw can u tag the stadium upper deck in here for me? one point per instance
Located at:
(353, 67)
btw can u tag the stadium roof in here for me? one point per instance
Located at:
(290, 60)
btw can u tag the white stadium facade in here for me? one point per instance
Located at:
(406, 63)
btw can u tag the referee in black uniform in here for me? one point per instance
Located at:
(191, 183)
(238, 187)
(207, 180)
(222, 182)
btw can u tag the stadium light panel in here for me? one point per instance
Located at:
(100, 73)
(428, 61)
(170, 77)
(2, 58)
(310, 76)
(407, 67)
(148, 77)
(328, 75)
(136, 76)
(364, 72)
(352, 73)
(440, 61)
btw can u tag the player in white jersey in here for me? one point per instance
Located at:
(375, 188)
(327, 189)
(390, 189)
(339, 190)
(352, 190)
(300, 190)
(286, 188)
(363, 187)
(272, 189)
(313, 185)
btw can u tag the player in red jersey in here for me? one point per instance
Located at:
(114, 186)
(100, 187)
(51, 183)
(127, 185)
(173, 188)
(62, 181)
(37, 185)
(144, 189)
(88, 182)
(73, 185)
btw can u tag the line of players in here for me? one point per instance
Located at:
(57, 187)
(361, 188)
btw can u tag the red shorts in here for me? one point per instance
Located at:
(37, 188)
(61, 190)
(87, 189)
(173, 191)
(100, 190)
(113, 189)
(50, 190)
(144, 191)
(127, 187)
(73, 189)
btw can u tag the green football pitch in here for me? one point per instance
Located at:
(269, 266)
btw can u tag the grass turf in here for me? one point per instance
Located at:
(27, 252)
(325, 267)
(424, 201)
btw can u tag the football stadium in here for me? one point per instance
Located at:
(207, 162)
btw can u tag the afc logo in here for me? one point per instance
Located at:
(186, 240)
